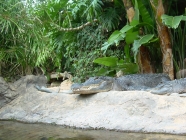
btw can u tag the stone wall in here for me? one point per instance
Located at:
(135, 111)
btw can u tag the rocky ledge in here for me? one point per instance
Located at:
(135, 111)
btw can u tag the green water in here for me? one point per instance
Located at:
(11, 130)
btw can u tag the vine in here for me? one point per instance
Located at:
(74, 29)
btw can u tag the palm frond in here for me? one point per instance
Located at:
(110, 18)
(93, 10)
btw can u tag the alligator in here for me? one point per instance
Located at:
(42, 89)
(124, 83)
(168, 87)
(159, 84)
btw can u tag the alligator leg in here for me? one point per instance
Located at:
(161, 89)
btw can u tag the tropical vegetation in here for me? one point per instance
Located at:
(91, 37)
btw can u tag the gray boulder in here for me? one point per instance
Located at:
(9, 91)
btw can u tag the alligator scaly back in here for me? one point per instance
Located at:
(175, 86)
(142, 81)
(123, 83)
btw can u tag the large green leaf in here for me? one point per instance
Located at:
(116, 65)
(127, 53)
(106, 72)
(128, 68)
(114, 36)
(141, 41)
(131, 36)
(136, 15)
(107, 61)
(145, 39)
(134, 23)
(126, 28)
(172, 21)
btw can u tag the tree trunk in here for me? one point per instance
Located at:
(143, 55)
(129, 9)
(165, 40)
(144, 60)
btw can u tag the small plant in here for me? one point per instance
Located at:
(81, 53)
(133, 40)
(178, 25)
(114, 65)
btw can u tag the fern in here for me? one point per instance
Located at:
(110, 18)
(94, 9)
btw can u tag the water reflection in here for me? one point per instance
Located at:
(81, 137)
(75, 138)
(10, 130)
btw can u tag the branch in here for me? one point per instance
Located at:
(76, 28)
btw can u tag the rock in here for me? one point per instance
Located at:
(66, 85)
(136, 111)
(3, 91)
(119, 73)
(9, 91)
(64, 75)
(56, 79)
(55, 84)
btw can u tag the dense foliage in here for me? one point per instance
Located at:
(81, 37)
(23, 42)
